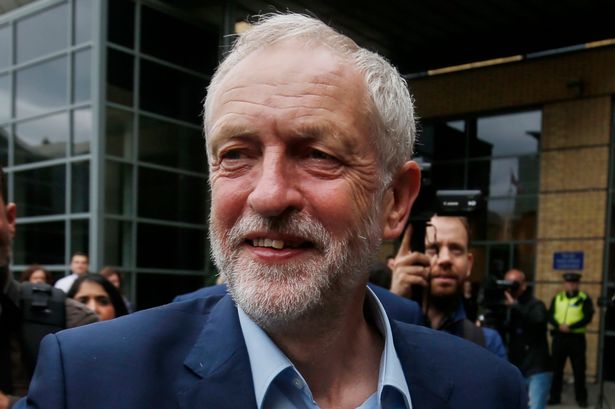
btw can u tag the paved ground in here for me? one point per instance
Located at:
(568, 401)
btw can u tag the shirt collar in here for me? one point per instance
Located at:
(267, 361)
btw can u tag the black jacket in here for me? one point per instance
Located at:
(526, 332)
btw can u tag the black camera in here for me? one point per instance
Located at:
(507, 285)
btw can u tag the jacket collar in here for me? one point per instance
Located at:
(217, 369)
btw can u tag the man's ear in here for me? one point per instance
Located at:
(11, 216)
(399, 199)
(470, 263)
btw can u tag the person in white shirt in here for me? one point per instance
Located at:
(78, 267)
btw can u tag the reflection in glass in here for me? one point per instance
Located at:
(507, 219)
(524, 256)
(120, 23)
(448, 175)
(178, 96)
(171, 145)
(118, 243)
(40, 243)
(5, 97)
(119, 133)
(41, 191)
(170, 247)
(5, 46)
(442, 141)
(81, 75)
(82, 130)
(171, 196)
(42, 33)
(83, 21)
(5, 134)
(158, 289)
(511, 134)
(175, 43)
(41, 87)
(80, 236)
(41, 139)
(505, 177)
(119, 77)
(118, 188)
(80, 187)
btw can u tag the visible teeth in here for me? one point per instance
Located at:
(276, 244)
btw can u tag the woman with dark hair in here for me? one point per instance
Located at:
(115, 278)
(99, 295)
(36, 274)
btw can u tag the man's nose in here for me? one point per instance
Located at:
(444, 256)
(275, 191)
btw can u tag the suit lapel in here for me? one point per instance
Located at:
(217, 371)
(429, 386)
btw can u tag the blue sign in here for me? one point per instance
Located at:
(568, 260)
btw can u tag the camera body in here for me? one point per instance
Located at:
(507, 285)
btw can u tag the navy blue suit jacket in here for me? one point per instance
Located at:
(192, 355)
(397, 308)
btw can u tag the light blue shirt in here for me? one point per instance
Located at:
(278, 384)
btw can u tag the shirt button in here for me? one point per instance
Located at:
(298, 383)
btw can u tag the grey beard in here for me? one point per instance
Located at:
(275, 296)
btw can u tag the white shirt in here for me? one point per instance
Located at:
(65, 283)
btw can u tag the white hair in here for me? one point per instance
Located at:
(392, 105)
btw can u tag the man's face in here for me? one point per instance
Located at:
(8, 213)
(517, 276)
(295, 195)
(572, 286)
(79, 264)
(446, 242)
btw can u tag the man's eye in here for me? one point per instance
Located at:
(231, 155)
(320, 155)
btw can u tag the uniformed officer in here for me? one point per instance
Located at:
(570, 313)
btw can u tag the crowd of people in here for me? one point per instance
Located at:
(309, 140)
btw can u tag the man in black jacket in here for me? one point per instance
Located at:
(526, 333)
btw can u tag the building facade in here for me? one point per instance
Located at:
(101, 140)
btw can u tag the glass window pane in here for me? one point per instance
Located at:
(5, 46)
(178, 96)
(5, 97)
(440, 141)
(505, 177)
(448, 175)
(80, 236)
(40, 243)
(158, 289)
(41, 139)
(176, 42)
(511, 134)
(524, 256)
(120, 23)
(82, 75)
(118, 188)
(170, 247)
(171, 145)
(42, 33)
(118, 243)
(83, 21)
(5, 134)
(82, 131)
(41, 87)
(41, 191)
(171, 196)
(80, 187)
(119, 133)
(119, 77)
(507, 219)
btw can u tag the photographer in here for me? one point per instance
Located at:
(439, 275)
(526, 334)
